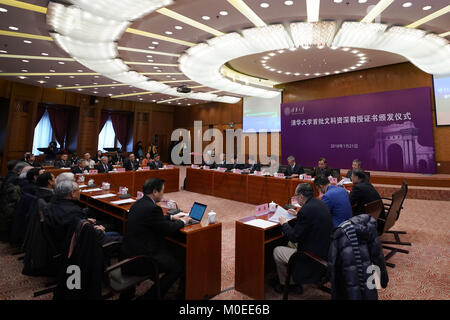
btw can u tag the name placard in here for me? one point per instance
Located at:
(307, 178)
(93, 171)
(194, 166)
(280, 175)
(145, 168)
(237, 171)
(206, 167)
(170, 166)
(258, 173)
(120, 169)
(262, 209)
(222, 169)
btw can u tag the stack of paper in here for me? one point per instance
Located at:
(281, 212)
(260, 223)
(92, 190)
(108, 195)
(123, 201)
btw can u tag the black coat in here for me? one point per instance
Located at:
(312, 233)
(128, 167)
(147, 228)
(29, 187)
(326, 171)
(45, 194)
(82, 249)
(62, 164)
(361, 194)
(254, 167)
(63, 214)
(78, 169)
(101, 168)
(342, 263)
(298, 169)
(156, 165)
(34, 164)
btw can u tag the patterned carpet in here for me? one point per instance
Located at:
(421, 274)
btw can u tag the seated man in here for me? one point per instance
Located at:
(63, 162)
(208, 161)
(46, 183)
(104, 166)
(236, 164)
(336, 198)
(131, 164)
(65, 176)
(311, 233)
(147, 228)
(80, 167)
(356, 164)
(322, 168)
(31, 160)
(31, 186)
(90, 163)
(156, 163)
(253, 165)
(65, 211)
(293, 169)
(363, 192)
(222, 163)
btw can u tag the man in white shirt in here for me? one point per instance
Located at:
(90, 163)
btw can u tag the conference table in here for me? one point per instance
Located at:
(199, 245)
(247, 188)
(133, 180)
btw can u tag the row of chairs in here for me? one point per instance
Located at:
(113, 278)
(385, 221)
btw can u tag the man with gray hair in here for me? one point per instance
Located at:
(356, 164)
(13, 177)
(65, 176)
(311, 233)
(65, 211)
(293, 170)
(104, 166)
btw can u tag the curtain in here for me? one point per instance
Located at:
(120, 124)
(42, 133)
(40, 113)
(59, 122)
(103, 118)
(107, 136)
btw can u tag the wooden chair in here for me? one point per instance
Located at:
(322, 264)
(374, 208)
(388, 222)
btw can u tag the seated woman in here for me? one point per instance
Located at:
(147, 161)
(98, 157)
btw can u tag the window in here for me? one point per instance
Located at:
(107, 137)
(43, 134)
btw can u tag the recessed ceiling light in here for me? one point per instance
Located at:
(155, 42)
(60, 62)
(80, 89)
(223, 13)
(71, 77)
(109, 94)
(47, 77)
(279, 71)
(3, 10)
(345, 70)
(80, 70)
(13, 28)
(271, 54)
(264, 5)
(178, 27)
(22, 77)
(151, 47)
(206, 18)
(153, 100)
(96, 76)
(288, 3)
(77, 84)
(296, 74)
(362, 1)
(114, 82)
(155, 67)
(280, 51)
(287, 73)
(317, 74)
(27, 41)
(355, 51)
(150, 60)
(265, 58)
(52, 70)
(59, 85)
(168, 32)
(41, 81)
(337, 1)
(306, 74)
(44, 54)
(426, 8)
(95, 83)
(149, 56)
(95, 92)
(345, 49)
(25, 61)
(3, 51)
(407, 4)
(141, 99)
(158, 71)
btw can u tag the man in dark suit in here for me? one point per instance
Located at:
(31, 186)
(104, 166)
(322, 168)
(293, 169)
(80, 167)
(356, 164)
(31, 160)
(253, 165)
(131, 164)
(147, 228)
(311, 233)
(236, 164)
(63, 162)
(363, 192)
(46, 183)
(156, 163)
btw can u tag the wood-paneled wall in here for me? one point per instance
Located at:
(149, 119)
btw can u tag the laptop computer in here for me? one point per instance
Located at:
(196, 213)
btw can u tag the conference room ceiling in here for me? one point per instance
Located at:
(220, 15)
